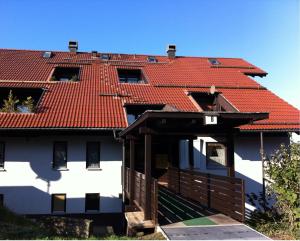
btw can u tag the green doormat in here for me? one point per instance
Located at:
(198, 221)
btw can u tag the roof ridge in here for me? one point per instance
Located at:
(115, 53)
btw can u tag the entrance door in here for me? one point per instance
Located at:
(165, 154)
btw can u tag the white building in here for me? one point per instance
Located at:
(62, 154)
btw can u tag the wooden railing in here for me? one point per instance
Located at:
(139, 192)
(224, 194)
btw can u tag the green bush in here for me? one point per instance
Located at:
(282, 219)
(283, 172)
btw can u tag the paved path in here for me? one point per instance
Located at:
(183, 219)
(218, 232)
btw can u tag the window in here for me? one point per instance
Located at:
(133, 111)
(212, 102)
(47, 54)
(152, 59)
(215, 155)
(58, 203)
(65, 74)
(104, 57)
(206, 101)
(2, 155)
(214, 61)
(133, 76)
(92, 201)
(19, 100)
(60, 155)
(93, 155)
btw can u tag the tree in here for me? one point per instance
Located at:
(29, 104)
(10, 104)
(283, 172)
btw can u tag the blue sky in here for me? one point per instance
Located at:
(266, 33)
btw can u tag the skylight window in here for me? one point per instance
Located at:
(132, 76)
(214, 61)
(47, 54)
(152, 59)
(65, 74)
(104, 56)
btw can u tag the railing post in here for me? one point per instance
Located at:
(243, 200)
(148, 144)
(132, 181)
(208, 190)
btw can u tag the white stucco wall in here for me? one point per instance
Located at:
(199, 155)
(247, 160)
(29, 180)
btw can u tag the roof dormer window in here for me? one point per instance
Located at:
(152, 59)
(65, 74)
(133, 111)
(47, 55)
(212, 102)
(104, 57)
(131, 76)
(214, 61)
(19, 100)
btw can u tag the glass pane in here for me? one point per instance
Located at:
(60, 154)
(59, 202)
(93, 154)
(92, 202)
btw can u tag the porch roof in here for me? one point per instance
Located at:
(189, 123)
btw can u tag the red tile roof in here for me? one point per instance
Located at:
(97, 100)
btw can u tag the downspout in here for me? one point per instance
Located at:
(262, 155)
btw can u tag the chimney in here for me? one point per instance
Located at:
(171, 51)
(73, 46)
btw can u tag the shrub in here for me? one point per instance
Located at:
(10, 105)
(283, 171)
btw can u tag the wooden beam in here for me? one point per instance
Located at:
(191, 153)
(146, 130)
(148, 151)
(131, 166)
(131, 137)
(230, 154)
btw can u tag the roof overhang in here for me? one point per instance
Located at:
(190, 123)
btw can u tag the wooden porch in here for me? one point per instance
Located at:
(142, 139)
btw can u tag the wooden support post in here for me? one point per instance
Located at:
(131, 166)
(191, 154)
(147, 210)
(230, 154)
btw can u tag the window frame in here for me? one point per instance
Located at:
(2, 162)
(99, 155)
(53, 159)
(52, 203)
(53, 78)
(220, 167)
(214, 61)
(142, 80)
(86, 200)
